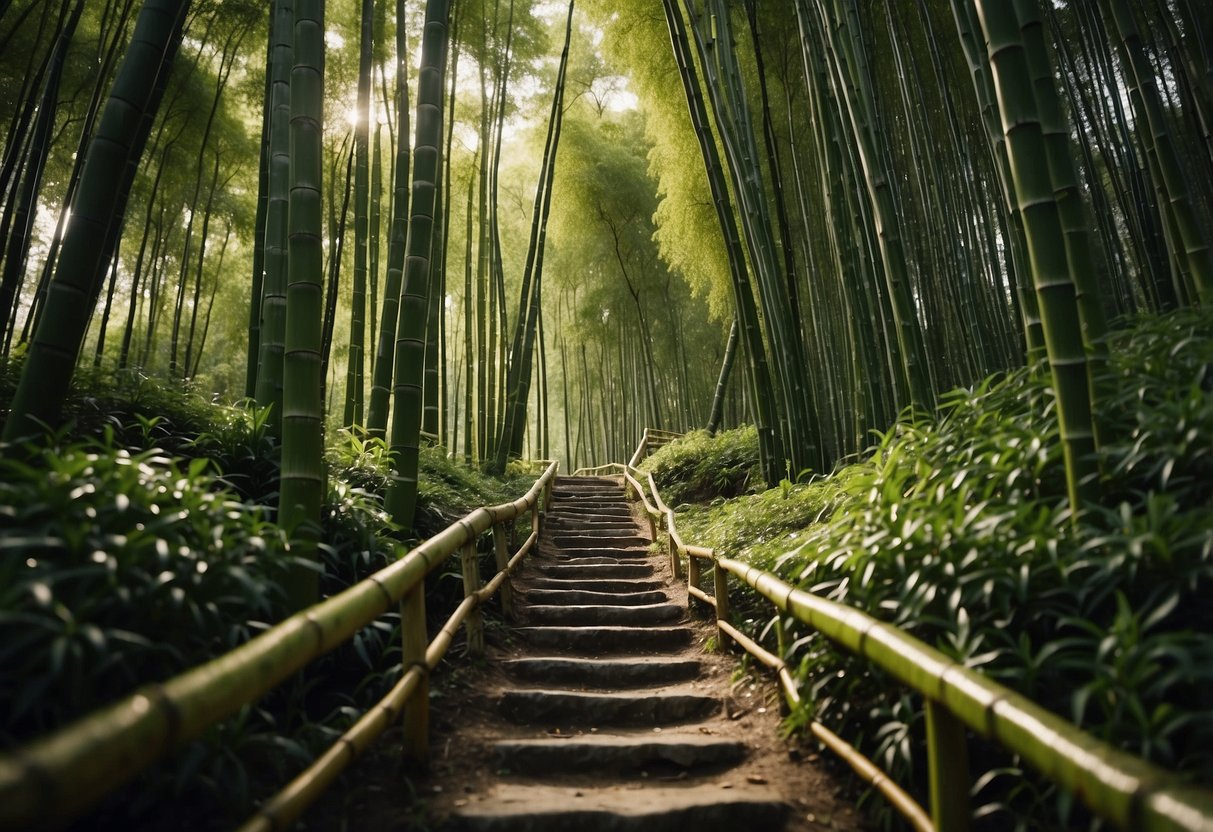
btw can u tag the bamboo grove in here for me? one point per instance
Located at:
(524, 229)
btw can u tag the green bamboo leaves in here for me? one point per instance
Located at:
(113, 157)
(303, 470)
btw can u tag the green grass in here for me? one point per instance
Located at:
(956, 529)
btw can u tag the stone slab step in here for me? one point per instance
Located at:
(620, 586)
(597, 641)
(600, 753)
(603, 615)
(599, 541)
(624, 808)
(591, 508)
(595, 570)
(631, 557)
(610, 491)
(582, 596)
(591, 524)
(613, 489)
(548, 708)
(634, 553)
(604, 673)
(606, 495)
(576, 515)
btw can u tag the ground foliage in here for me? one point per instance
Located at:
(140, 541)
(955, 528)
(701, 466)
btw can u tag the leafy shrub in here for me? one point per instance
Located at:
(244, 451)
(957, 530)
(119, 568)
(698, 467)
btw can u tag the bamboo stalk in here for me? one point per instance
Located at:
(471, 585)
(720, 587)
(412, 655)
(948, 764)
(501, 551)
(696, 592)
(862, 766)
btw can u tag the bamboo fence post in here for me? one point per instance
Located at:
(675, 561)
(471, 585)
(781, 640)
(693, 573)
(414, 643)
(501, 551)
(720, 585)
(948, 761)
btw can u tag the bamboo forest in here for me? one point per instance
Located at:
(606, 415)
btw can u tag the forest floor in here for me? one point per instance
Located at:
(378, 792)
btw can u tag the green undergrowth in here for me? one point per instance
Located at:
(700, 466)
(140, 541)
(957, 530)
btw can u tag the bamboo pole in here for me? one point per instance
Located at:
(471, 585)
(501, 553)
(720, 585)
(412, 655)
(948, 767)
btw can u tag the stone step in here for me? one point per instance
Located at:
(595, 570)
(582, 596)
(596, 514)
(603, 615)
(604, 495)
(576, 554)
(604, 673)
(604, 753)
(629, 557)
(628, 807)
(566, 479)
(551, 708)
(603, 540)
(594, 508)
(607, 489)
(620, 586)
(591, 524)
(597, 641)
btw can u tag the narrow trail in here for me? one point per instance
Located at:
(600, 709)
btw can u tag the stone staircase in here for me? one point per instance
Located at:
(604, 713)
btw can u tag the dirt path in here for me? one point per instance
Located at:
(600, 709)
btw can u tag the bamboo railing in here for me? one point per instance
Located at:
(1125, 790)
(55, 779)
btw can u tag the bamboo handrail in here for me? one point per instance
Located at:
(54, 779)
(1129, 792)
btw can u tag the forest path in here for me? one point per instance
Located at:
(600, 710)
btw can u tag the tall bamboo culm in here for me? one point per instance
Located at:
(303, 472)
(109, 169)
(410, 330)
